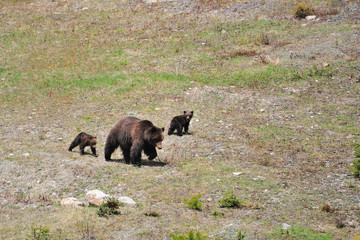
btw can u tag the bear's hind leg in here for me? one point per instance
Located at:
(135, 154)
(179, 130)
(126, 154)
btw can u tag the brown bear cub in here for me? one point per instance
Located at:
(133, 136)
(84, 139)
(180, 122)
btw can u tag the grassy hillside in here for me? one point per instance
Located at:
(275, 101)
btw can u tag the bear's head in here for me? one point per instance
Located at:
(188, 115)
(93, 141)
(155, 136)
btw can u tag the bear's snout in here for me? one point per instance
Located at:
(159, 145)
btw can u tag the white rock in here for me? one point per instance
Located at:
(126, 200)
(26, 154)
(237, 173)
(285, 226)
(311, 17)
(96, 197)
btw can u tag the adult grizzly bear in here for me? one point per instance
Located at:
(84, 139)
(134, 135)
(180, 122)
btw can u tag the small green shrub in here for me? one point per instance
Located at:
(217, 214)
(109, 208)
(230, 201)
(194, 202)
(302, 10)
(39, 233)
(189, 236)
(240, 236)
(355, 168)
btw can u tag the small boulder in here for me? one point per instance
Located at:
(73, 202)
(126, 200)
(96, 197)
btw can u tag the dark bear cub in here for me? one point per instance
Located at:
(84, 139)
(180, 122)
(134, 136)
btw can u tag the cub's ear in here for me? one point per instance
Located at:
(184, 112)
(95, 137)
(163, 129)
(192, 112)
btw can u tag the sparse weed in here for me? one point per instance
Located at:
(230, 201)
(240, 235)
(39, 233)
(194, 202)
(191, 235)
(152, 214)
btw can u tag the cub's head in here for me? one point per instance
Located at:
(188, 115)
(92, 141)
(155, 136)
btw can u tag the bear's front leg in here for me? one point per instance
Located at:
(150, 151)
(93, 150)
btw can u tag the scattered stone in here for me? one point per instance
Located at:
(126, 200)
(223, 31)
(262, 110)
(96, 197)
(157, 109)
(26, 154)
(311, 17)
(237, 173)
(209, 199)
(285, 226)
(73, 202)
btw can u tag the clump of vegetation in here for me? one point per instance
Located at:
(326, 208)
(194, 202)
(152, 214)
(191, 235)
(40, 233)
(217, 214)
(302, 10)
(355, 168)
(230, 201)
(240, 235)
(109, 208)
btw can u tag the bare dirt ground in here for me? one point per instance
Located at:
(289, 144)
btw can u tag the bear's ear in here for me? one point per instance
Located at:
(184, 112)
(95, 137)
(163, 129)
(192, 112)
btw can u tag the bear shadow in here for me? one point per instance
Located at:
(85, 153)
(149, 163)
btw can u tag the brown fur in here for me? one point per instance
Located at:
(181, 122)
(133, 136)
(84, 139)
